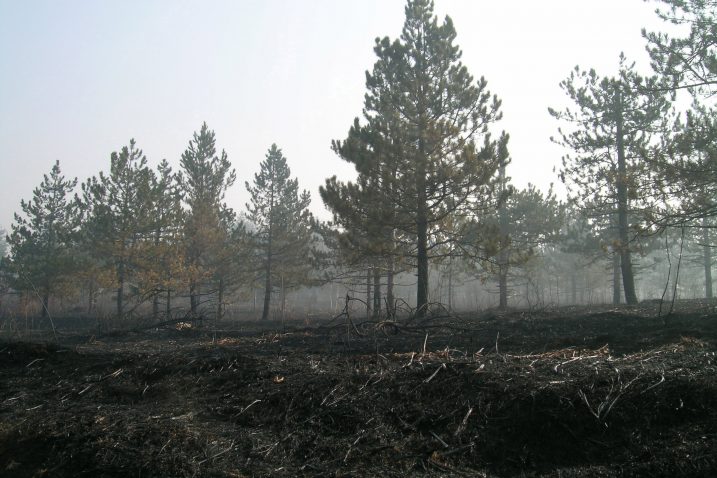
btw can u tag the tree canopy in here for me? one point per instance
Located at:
(42, 237)
(425, 144)
(282, 225)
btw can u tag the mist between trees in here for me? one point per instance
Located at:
(431, 221)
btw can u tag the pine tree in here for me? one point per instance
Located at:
(590, 237)
(205, 180)
(613, 128)
(42, 238)
(373, 231)
(688, 169)
(688, 62)
(427, 125)
(164, 269)
(698, 180)
(5, 272)
(688, 179)
(281, 220)
(3, 242)
(118, 207)
(527, 220)
(228, 261)
(369, 239)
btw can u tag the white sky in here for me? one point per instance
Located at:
(79, 78)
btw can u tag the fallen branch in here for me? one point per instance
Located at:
(443, 365)
(33, 362)
(248, 406)
(231, 447)
(463, 424)
(662, 380)
(445, 445)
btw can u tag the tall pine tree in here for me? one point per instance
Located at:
(118, 208)
(206, 177)
(688, 174)
(164, 267)
(4, 266)
(427, 122)
(42, 238)
(282, 225)
(611, 134)
(526, 220)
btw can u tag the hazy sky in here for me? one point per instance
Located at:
(78, 79)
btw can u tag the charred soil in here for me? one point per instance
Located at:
(558, 393)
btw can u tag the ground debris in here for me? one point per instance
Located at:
(614, 393)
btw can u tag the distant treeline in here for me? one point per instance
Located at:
(431, 209)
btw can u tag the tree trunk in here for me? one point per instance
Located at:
(503, 286)
(616, 283)
(390, 301)
(421, 222)
(267, 291)
(422, 259)
(90, 297)
(450, 283)
(503, 256)
(120, 290)
(376, 292)
(194, 297)
(155, 300)
(368, 293)
(45, 304)
(220, 300)
(269, 258)
(707, 258)
(586, 287)
(155, 306)
(628, 279)
(283, 299)
(168, 305)
(557, 290)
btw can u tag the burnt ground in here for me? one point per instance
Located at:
(573, 392)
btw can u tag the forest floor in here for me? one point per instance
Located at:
(569, 392)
